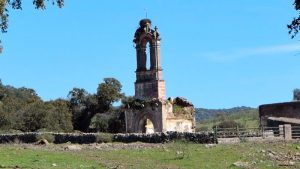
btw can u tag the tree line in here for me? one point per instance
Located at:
(23, 110)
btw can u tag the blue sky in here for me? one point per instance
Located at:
(218, 54)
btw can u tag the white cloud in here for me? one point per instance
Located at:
(231, 55)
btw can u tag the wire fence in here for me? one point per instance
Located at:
(248, 132)
(296, 132)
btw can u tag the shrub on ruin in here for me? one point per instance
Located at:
(133, 103)
(297, 94)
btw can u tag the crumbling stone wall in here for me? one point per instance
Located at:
(182, 117)
(166, 115)
(137, 112)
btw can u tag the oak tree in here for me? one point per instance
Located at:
(294, 26)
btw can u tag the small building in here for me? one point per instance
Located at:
(273, 115)
(149, 111)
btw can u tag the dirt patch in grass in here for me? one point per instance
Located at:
(94, 146)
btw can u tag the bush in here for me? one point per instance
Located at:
(60, 116)
(32, 117)
(203, 128)
(229, 124)
(5, 119)
(11, 131)
(104, 137)
(47, 136)
(178, 109)
(100, 122)
(112, 122)
(49, 116)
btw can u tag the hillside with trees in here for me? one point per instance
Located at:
(227, 118)
(21, 109)
(203, 114)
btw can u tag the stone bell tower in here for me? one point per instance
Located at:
(154, 113)
(149, 83)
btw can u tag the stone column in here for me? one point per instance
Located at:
(287, 132)
(155, 55)
(281, 131)
(138, 58)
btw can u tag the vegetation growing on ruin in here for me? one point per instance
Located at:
(178, 109)
(133, 103)
(137, 104)
(181, 111)
(297, 94)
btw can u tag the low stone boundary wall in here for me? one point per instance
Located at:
(87, 138)
(57, 138)
(200, 138)
(22, 137)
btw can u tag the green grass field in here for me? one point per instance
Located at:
(173, 155)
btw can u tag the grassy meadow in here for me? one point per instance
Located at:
(173, 155)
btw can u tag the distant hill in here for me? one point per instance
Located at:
(204, 114)
(207, 118)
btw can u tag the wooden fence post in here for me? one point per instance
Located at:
(262, 132)
(216, 134)
(237, 131)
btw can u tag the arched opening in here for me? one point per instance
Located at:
(146, 125)
(149, 126)
(148, 56)
(145, 53)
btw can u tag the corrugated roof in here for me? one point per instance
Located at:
(285, 119)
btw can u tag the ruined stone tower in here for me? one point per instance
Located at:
(149, 82)
(149, 111)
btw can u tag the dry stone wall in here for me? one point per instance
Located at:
(87, 138)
